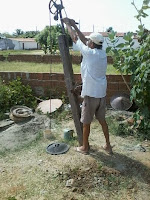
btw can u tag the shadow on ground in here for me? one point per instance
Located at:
(126, 166)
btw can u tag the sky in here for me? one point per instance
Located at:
(93, 15)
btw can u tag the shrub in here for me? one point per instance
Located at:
(136, 62)
(15, 93)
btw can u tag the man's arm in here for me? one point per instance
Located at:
(73, 33)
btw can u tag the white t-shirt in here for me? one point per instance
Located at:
(93, 71)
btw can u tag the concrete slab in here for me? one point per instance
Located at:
(49, 106)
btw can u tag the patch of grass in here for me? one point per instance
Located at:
(30, 67)
(125, 130)
(99, 167)
(18, 52)
(75, 53)
(73, 142)
(42, 67)
(12, 198)
(33, 52)
(113, 125)
(117, 128)
(60, 115)
(111, 70)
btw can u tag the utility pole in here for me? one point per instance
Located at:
(93, 27)
(68, 71)
(79, 24)
(70, 84)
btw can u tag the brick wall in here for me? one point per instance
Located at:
(43, 58)
(32, 58)
(43, 83)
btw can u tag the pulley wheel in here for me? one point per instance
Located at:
(54, 7)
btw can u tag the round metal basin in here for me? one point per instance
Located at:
(120, 101)
(57, 148)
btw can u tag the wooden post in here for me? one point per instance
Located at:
(70, 83)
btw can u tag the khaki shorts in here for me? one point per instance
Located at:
(93, 106)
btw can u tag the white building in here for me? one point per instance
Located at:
(25, 43)
(19, 43)
(106, 40)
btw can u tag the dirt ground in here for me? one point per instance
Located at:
(28, 172)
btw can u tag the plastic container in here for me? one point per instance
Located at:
(68, 134)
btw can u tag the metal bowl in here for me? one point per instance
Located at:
(57, 148)
(120, 101)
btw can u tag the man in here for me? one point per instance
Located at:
(94, 83)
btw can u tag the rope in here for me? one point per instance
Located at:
(50, 74)
(125, 81)
(50, 25)
(65, 12)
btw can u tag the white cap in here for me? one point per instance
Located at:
(97, 38)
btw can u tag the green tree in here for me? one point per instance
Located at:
(18, 32)
(5, 34)
(30, 34)
(48, 38)
(136, 62)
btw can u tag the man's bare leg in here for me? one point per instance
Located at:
(104, 125)
(86, 133)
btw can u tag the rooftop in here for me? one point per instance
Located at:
(23, 39)
(104, 34)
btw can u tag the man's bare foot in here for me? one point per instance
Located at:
(108, 149)
(82, 150)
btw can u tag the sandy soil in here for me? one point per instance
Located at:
(28, 172)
